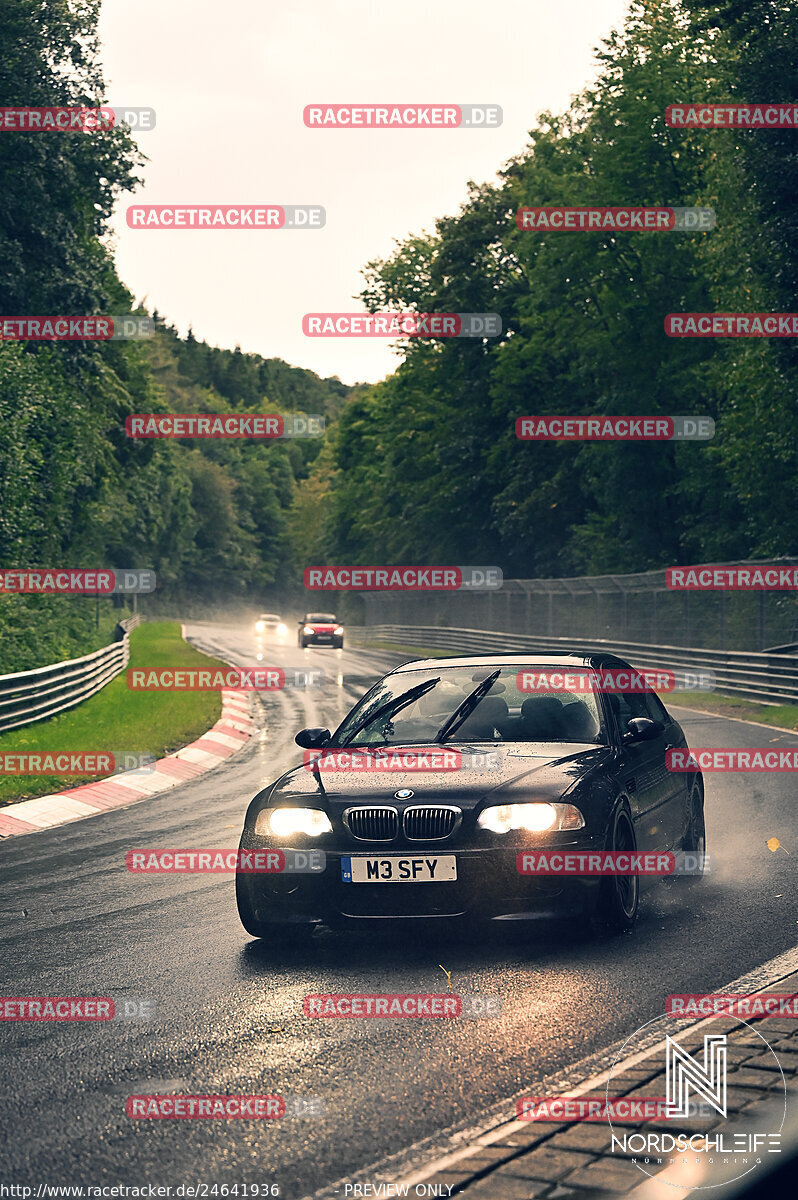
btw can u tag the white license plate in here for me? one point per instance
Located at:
(412, 868)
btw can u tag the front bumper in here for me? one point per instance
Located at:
(488, 888)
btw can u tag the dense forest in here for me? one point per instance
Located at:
(210, 517)
(423, 467)
(426, 467)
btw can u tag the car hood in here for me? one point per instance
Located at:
(515, 770)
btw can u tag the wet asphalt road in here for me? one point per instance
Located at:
(229, 1015)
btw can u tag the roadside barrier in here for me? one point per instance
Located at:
(30, 696)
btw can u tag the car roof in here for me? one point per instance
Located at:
(560, 658)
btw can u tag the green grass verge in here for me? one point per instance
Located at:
(784, 715)
(118, 719)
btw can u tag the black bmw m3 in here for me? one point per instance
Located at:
(425, 797)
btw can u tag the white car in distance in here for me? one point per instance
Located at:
(272, 627)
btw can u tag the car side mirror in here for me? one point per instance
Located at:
(643, 729)
(312, 739)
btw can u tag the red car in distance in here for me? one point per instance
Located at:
(320, 629)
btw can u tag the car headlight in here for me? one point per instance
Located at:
(536, 816)
(285, 822)
(282, 628)
(260, 626)
(308, 629)
(339, 630)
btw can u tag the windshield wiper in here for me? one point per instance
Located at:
(465, 709)
(393, 706)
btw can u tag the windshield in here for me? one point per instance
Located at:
(327, 618)
(523, 704)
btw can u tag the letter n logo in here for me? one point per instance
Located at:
(683, 1073)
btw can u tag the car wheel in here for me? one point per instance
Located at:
(619, 895)
(694, 841)
(340, 644)
(274, 933)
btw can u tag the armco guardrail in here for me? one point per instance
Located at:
(637, 607)
(35, 695)
(771, 677)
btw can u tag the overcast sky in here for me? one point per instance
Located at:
(229, 83)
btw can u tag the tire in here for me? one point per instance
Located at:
(695, 840)
(272, 933)
(619, 895)
(303, 644)
(340, 644)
